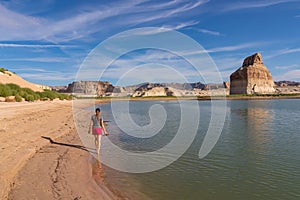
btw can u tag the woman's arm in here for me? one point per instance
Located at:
(90, 127)
(103, 126)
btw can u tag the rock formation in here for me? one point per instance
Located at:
(155, 91)
(287, 87)
(167, 89)
(226, 85)
(97, 88)
(252, 78)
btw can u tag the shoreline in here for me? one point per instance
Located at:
(30, 161)
(205, 98)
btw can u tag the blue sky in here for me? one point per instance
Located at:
(46, 41)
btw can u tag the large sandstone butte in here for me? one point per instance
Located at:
(252, 78)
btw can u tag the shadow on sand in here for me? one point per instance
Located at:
(70, 145)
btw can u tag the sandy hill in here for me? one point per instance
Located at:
(9, 77)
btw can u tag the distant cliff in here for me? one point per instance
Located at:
(168, 89)
(287, 87)
(96, 88)
(99, 88)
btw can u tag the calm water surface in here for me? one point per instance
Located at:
(256, 157)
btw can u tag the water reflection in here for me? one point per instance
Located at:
(96, 168)
(259, 119)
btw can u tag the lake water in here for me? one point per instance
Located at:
(256, 157)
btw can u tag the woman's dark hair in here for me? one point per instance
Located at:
(97, 109)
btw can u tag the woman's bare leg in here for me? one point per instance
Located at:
(98, 143)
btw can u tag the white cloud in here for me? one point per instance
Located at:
(34, 45)
(254, 4)
(17, 26)
(284, 67)
(223, 48)
(293, 75)
(48, 76)
(38, 59)
(181, 25)
(146, 14)
(233, 47)
(209, 32)
(282, 52)
(288, 51)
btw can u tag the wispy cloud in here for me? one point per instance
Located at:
(38, 59)
(17, 26)
(254, 4)
(232, 47)
(14, 45)
(146, 14)
(223, 49)
(285, 67)
(205, 31)
(181, 25)
(288, 51)
(292, 75)
(282, 52)
(210, 32)
(28, 69)
(48, 76)
(157, 30)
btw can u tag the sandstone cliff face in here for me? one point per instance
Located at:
(155, 91)
(97, 88)
(252, 78)
(167, 89)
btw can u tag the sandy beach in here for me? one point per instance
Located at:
(34, 168)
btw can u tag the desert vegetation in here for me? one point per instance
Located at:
(7, 90)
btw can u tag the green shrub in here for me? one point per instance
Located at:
(18, 98)
(36, 96)
(28, 91)
(63, 96)
(29, 97)
(13, 86)
(50, 94)
(28, 94)
(5, 91)
(14, 92)
(21, 93)
(3, 70)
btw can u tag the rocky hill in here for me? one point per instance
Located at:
(252, 78)
(99, 88)
(287, 83)
(94, 88)
(287, 87)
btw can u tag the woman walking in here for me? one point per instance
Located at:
(98, 128)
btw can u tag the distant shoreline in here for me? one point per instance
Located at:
(204, 98)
